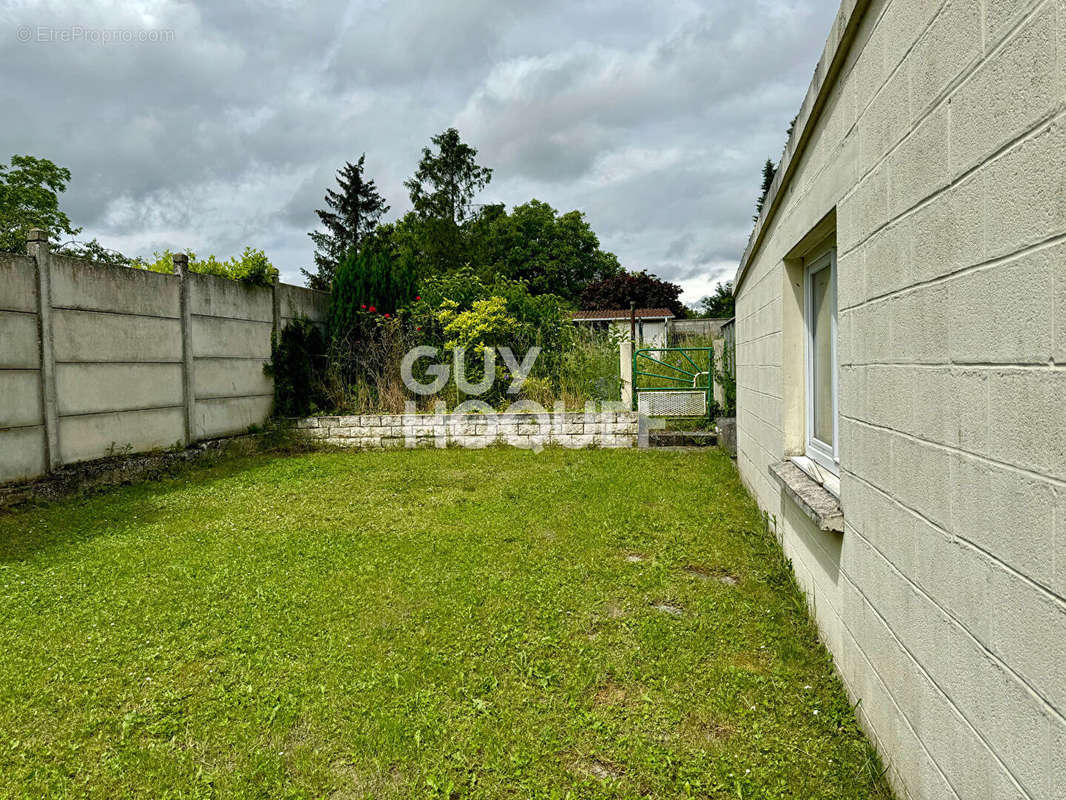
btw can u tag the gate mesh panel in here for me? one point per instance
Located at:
(673, 404)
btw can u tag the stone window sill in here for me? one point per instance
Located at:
(817, 502)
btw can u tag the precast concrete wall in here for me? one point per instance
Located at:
(98, 360)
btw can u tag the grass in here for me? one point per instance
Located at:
(449, 624)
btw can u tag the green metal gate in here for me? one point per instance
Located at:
(674, 381)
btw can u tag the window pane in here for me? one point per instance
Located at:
(822, 354)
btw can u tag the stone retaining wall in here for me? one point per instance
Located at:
(615, 429)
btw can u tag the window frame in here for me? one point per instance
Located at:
(818, 451)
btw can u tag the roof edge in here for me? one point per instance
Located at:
(838, 45)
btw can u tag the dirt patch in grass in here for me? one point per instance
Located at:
(700, 731)
(613, 694)
(672, 609)
(601, 769)
(712, 574)
(633, 557)
(351, 784)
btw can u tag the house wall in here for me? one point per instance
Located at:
(100, 365)
(938, 139)
(653, 333)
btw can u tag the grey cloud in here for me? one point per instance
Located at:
(652, 118)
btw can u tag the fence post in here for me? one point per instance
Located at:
(625, 371)
(181, 270)
(37, 247)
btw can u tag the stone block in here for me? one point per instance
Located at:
(1029, 635)
(1003, 313)
(918, 168)
(951, 45)
(1028, 420)
(885, 120)
(1016, 727)
(851, 278)
(1006, 513)
(1014, 88)
(948, 232)
(891, 394)
(1001, 15)
(1058, 758)
(956, 577)
(1058, 260)
(1026, 193)
(1058, 579)
(921, 478)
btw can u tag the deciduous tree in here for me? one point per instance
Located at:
(29, 198)
(647, 291)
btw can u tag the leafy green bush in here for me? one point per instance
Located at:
(252, 267)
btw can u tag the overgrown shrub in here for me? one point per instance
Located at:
(252, 267)
(297, 364)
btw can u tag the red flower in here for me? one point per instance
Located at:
(363, 306)
(372, 309)
(386, 316)
(417, 297)
(418, 328)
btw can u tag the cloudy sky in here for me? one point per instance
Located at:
(226, 126)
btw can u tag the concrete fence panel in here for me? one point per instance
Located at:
(92, 287)
(295, 301)
(98, 360)
(21, 404)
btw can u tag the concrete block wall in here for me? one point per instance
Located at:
(22, 434)
(938, 139)
(98, 360)
(609, 429)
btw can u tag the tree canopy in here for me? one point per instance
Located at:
(29, 198)
(553, 253)
(647, 291)
(720, 304)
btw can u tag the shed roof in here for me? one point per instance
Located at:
(609, 314)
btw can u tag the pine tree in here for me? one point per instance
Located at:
(445, 183)
(351, 215)
(769, 172)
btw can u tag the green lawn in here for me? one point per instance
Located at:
(417, 624)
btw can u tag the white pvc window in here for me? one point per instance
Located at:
(820, 321)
